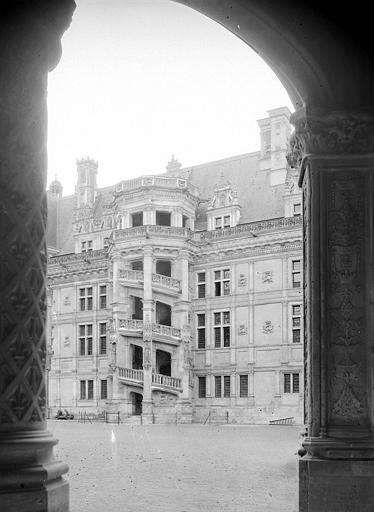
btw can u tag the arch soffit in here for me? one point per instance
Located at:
(310, 57)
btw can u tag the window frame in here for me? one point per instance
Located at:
(296, 318)
(243, 387)
(86, 298)
(85, 337)
(103, 296)
(296, 284)
(291, 384)
(201, 389)
(222, 328)
(103, 389)
(201, 285)
(221, 281)
(102, 338)
(200, 328)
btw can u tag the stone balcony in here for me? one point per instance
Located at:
(151, 231)
(165, 284)
(159, 381)
(162, 333)
(155, 181)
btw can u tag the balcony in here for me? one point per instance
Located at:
(159, 382)
(151, 231)
(130, 327)
(132, 278)
(158, 181)
(161, 333)
(166, 284)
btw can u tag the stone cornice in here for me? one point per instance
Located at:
(318, 132)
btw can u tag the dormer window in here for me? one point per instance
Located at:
(222, 222)
(297, 209)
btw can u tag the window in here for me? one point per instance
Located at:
(86, 389)
(83, 247)
(163, 218)
(291, 383)
(296, 324)
(102, 296)
(218, 386)
(106, 243)
(222, 222)
(297, 209)
(85, 340)
(89, 245)
(201, 285)
(296, 274)
(222, 282)
(137, 265)
(202, 387)
(137, 219)
(102, 338)
(243, 384)
(85, 299)
(201, 330)
(221, 329)
(226, 386)
(103, 389)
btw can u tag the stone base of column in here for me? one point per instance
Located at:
(336, 485)
(30, 477)
(147, 412)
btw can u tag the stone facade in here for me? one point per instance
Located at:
(177, 298)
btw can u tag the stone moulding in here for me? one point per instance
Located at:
(328, 133)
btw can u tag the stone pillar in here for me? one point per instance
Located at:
(148, 314)
(335, 152)
(30, 476)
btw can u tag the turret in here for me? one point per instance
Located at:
(86, 186)
(55, 189)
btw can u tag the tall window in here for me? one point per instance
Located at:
(291, 383)
(201, 285)
(226, 386)
(296, 274)
(103, 389)
(202, 387)
(221, 329)
(85, 340)
(201, 337)
(218, 386)
(86, 389)
(83, 246)
(85, 299)
(102, 338)
(296, 324)
(102, 296)
(222, 282)
(89, 245)
(243, 383)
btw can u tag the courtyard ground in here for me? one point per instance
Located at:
(179, 468)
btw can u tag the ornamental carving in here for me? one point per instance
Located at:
(242, 330)
(242, 281)
(336, 132)
(267, 327)
(267, 276)
(346, 234)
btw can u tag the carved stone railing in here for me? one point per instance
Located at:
(166, 381)
(166, 330)
(131, 325)
(77, 257)
(131, 374)
(251, 228)
(149, 230)
(168, 282)
(132, 275)
(169, 182)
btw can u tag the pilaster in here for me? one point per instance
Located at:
(335, 152)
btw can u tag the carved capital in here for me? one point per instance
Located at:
(329, 133)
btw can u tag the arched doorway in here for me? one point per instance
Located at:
(329, 81)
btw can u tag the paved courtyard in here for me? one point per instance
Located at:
(179, 468)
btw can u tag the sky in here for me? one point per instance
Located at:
(142, 80)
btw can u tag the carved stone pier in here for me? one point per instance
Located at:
(335, 153)
(30, 477)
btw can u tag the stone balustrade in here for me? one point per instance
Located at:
(169, 182)
(165, 380)
(132, 275)
(131, 325)
(65, 259)
(131, 374)
(251, 228)
(168, 282)
(149, 230)
(166, 330)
